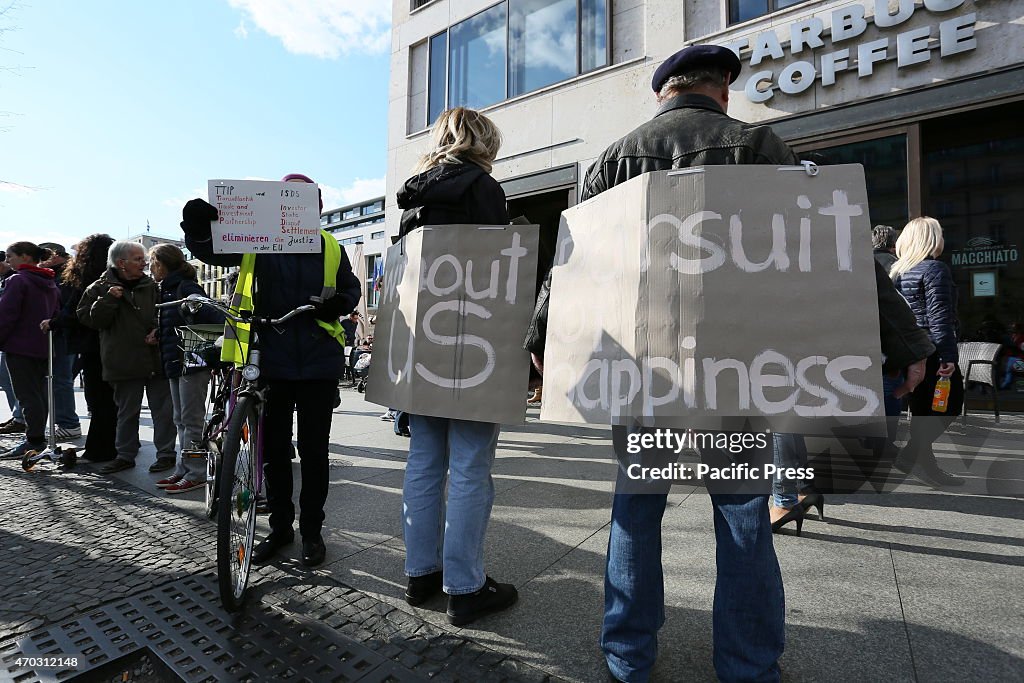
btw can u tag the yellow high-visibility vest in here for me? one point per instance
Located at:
(237, 335)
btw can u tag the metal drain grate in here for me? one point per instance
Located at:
(182, 624)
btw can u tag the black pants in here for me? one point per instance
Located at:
(28, 376)
(926, 425)
(314, 403)
(99, 395)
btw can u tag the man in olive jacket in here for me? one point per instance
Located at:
(122, 306)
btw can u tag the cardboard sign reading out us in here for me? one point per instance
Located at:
(262, 216)
(453, 313)
(689, 297)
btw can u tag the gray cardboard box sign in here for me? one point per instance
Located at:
(454, 308)
(722, 297)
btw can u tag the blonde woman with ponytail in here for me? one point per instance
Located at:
(927, 285)
(444, 542)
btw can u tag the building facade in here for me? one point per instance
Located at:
(361, 224)
(927, 95)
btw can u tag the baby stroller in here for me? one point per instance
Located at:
(361, 370)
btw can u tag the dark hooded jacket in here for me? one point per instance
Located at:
(30, 296)
(451, 194)
(172, 288)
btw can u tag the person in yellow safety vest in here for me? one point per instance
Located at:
(301, 362)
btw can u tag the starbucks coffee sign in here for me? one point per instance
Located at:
(837, 44)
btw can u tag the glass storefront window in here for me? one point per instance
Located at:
(885, 172)
(541, 43)
(973, 173)
(475, 56)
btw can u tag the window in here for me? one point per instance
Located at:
(335, 217)
(742, 10)
(514, 48)
(351, 213)
(476, 55)
(377, 235)
(373, 208)
(541, 44)
(323, 220)
(353, 240)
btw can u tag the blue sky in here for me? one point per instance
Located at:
(113, 113)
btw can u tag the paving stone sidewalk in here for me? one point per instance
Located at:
(77, 548)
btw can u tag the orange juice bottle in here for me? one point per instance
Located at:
(941, 399)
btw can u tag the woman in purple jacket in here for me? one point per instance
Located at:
(30, 297)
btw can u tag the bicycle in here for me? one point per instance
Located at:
(241, 454)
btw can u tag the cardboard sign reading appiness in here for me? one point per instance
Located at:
(453, 313)
(262, 216)
(717, 292)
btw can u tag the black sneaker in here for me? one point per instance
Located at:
(268, 547)
(116, 465)
(493, 597)
(422, 588)
(12, 426)
(162, 464)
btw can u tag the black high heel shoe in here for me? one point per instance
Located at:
(814, 500)
(796, 514)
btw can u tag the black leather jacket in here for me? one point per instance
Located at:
(688, 130)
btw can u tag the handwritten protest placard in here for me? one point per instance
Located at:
(725, 291)
(452, 317)
(262, 216)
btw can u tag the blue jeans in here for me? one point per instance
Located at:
(749, 608)
(65, 414)
(8, 389)
(789, 450)
(449, 540)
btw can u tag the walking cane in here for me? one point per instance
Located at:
(57, 456)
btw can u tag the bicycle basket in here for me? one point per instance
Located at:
(198, 345)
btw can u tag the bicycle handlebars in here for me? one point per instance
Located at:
(194, 302)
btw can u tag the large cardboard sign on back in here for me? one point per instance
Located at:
(453, 313)
(684, 298)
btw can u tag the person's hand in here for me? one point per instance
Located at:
(915, 375)
(117, 291)
(946, 369)
(151, 338)
(196, 216)
(538, 362)
(44, 326)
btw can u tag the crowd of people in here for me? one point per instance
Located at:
(100, 306)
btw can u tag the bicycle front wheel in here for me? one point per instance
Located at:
(236, 508)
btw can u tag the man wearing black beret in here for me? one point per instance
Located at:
(690, 128)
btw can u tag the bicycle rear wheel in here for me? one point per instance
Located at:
(236, 508)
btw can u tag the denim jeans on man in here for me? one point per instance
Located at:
(65, 414)
(8, 388)
(449, 539)
(749, 606)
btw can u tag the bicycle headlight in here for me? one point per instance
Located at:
(251, 373)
